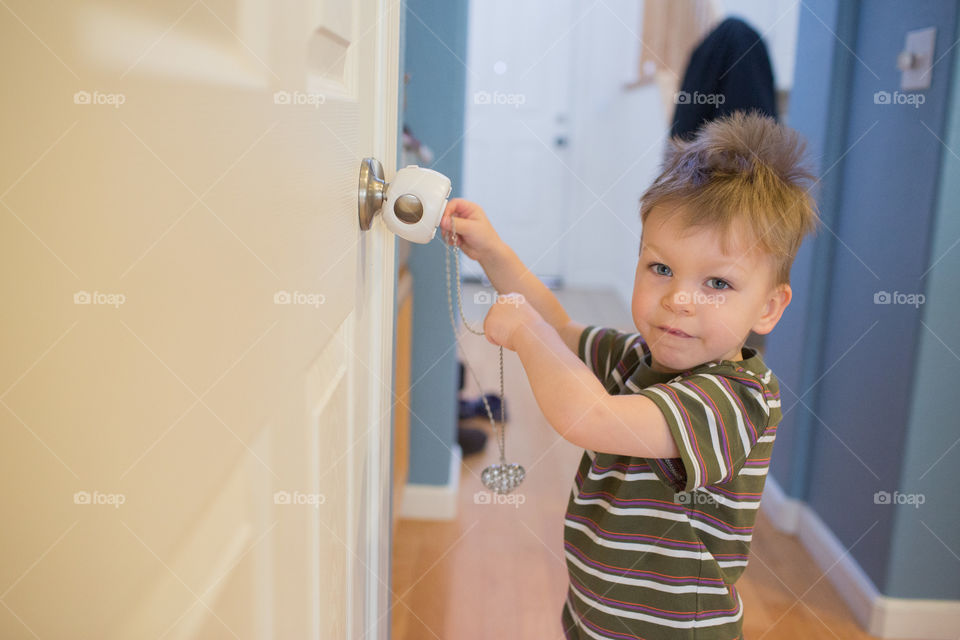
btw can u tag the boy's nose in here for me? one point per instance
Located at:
(679, 301)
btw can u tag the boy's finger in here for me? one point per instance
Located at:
(464, 225)
(455, 205)
(452, 207)
(445, 219)
(461, 208)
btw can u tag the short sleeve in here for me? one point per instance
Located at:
(715, 420)
(601, 348)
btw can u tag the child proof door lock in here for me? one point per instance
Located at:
(412, 205)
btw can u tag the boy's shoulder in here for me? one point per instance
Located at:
(751, 365)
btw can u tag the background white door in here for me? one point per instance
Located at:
(195, 381)
(571, 73)
(517, 125)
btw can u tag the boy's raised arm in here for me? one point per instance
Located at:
(571, 335)
(507, 273)
(579, 408)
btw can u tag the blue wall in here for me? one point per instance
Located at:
(859, 365)
(435, 37)
(931, 454)
(817, 110)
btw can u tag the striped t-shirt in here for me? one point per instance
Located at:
(654, 546)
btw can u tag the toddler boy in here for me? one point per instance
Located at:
(678, 419)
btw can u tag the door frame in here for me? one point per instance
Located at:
(373, 338)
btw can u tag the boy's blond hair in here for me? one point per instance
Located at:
(741, 172)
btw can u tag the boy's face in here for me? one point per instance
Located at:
(684, 282)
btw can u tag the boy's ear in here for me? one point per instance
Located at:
(774, 307)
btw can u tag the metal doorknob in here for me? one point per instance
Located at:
(373, 190)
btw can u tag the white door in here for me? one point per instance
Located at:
(518, 122)
(196, 345)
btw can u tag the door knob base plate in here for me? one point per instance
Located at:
(371, 192)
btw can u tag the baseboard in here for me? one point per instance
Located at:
(879, 615)
(782, 510)
(850, 581)
(925, 619)
(432, 501)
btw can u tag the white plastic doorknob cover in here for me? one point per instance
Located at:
(430, 188)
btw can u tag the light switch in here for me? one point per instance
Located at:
(916, 60)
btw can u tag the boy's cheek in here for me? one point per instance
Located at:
(638, 312)
(643, 298)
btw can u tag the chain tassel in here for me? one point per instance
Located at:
(503, 477)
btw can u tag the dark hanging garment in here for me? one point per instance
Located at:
(728, 71)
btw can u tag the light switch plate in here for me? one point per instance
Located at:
(920, 43)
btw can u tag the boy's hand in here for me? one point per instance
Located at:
(507, 314)
(475, 234)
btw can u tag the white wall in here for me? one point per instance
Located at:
(617, 142)
(617, 135)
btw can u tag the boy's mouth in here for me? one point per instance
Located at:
(675, 332)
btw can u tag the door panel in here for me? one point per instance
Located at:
(195, 381)
(517, 163)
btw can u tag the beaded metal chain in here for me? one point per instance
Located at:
(502, 477)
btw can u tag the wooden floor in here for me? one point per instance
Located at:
(497, 571)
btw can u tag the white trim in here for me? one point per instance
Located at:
(917, 619)
(782, 510)
(379, 304)
(431, 501)
(878, 615)
(850, 581)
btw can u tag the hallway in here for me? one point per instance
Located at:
(498, 570)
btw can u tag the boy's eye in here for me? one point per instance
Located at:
(723, 284)
(656, 268)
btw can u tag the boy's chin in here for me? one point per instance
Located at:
(666, 364)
